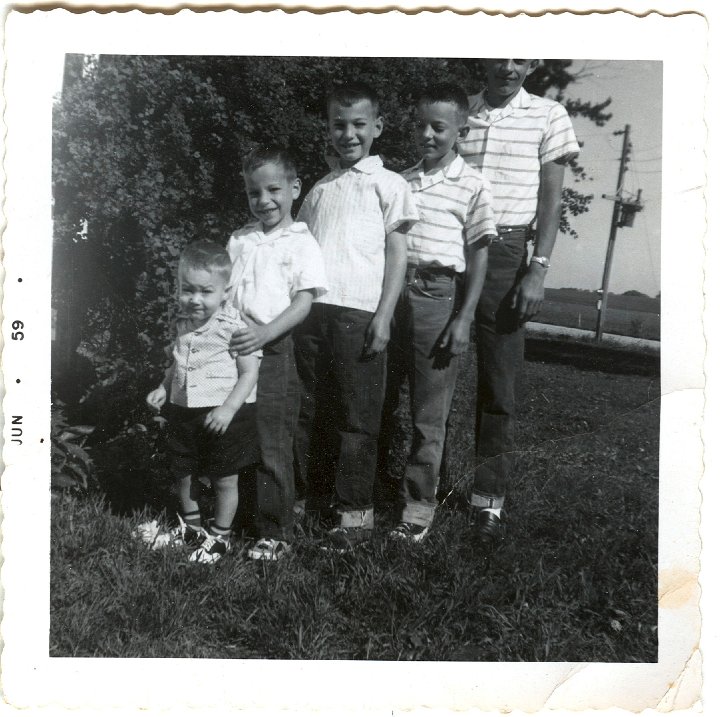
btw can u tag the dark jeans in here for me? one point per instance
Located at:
(278, 403)
(340, 409)
(426, 307)
(500, 347)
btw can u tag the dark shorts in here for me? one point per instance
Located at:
(194, 451)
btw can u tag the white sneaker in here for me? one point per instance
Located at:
(410, 532)
(179, 536)
(268, 549)
(212, 549)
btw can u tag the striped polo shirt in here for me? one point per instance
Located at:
(455, 205)
(509, 145)
(350, 212)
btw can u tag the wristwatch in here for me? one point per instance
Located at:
(542, 260)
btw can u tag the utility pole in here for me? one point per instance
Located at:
(623, 209)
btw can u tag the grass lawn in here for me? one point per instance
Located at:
(574, 580)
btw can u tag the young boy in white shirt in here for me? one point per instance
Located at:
(358, 213)
(211, 410)
(277, 271)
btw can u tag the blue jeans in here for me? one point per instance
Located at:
(278, 403)
(500, 348)
(426, 307)
(340, 410)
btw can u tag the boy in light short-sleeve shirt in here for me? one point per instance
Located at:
(357, 213)
(521, 143)
(211, 404)
(435, 311)
(277, 271)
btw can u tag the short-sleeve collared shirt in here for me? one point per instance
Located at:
(203, 371)
(350, 212)
(455, 205)
(509, 145)
(270, 269)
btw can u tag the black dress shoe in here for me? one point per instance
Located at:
(486, 527)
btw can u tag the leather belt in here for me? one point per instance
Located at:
(430, 271)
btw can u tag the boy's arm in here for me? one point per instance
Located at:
(218, 419)
(528, 295)
(255, 336)
(378, 332)
(457, 336)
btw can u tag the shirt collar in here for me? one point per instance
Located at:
(367, 165)
(262, 238)
(480, 109)
(224, 313)
(451, 171)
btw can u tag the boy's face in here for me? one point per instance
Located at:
(271, 194)
(505, 78)
(202, 291)
(352, 130)
(438, 127)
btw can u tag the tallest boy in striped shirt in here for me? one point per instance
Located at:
(521, 143)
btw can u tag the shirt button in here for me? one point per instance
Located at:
(194, 351)
(190, 368)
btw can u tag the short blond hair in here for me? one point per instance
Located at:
(206, 255)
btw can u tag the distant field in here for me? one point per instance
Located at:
(637, 316)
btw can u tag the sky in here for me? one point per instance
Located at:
(636, 91)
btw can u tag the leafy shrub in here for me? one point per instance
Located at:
(132, 467)
(146, 157)
(71, 466)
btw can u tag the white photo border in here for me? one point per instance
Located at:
(35, 43)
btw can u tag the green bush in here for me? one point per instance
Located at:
(146, 157)
(71, 466)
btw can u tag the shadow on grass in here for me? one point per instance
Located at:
(589, 356)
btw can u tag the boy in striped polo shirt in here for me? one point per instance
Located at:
(521, 143)
(433, 316)
(358, 213)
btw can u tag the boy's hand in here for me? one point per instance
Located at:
(376, 337)
(155, 400)
(528, 294)
(456, 338)
(244, 341)
(218, 419)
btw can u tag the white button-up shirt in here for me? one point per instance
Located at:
(509, 145)
(455, 204)
(350, 212)
(203, 371)
(269, 269)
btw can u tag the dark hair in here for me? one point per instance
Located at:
(206, 255)
(447, 92)
(348, 93)
(270, 154)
